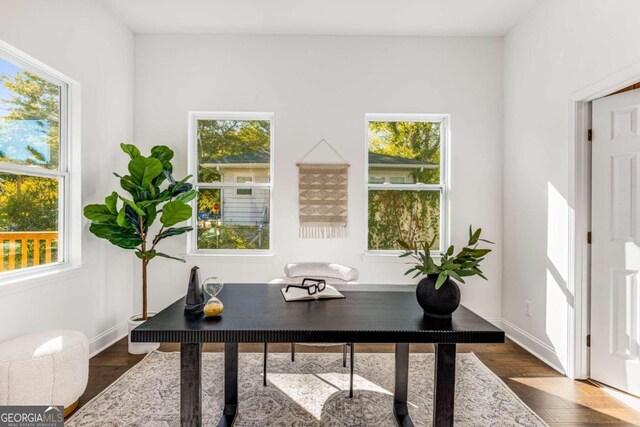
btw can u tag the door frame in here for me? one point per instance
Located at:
(579, 281)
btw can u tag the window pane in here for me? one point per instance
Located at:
(402, 215)
(406, 150)
(227, 148)
(227, 220)
(28, 221)
(29, 118)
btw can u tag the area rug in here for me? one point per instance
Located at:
(312, 391)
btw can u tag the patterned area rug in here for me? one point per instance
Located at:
(313, 391)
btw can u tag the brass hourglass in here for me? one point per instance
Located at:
(214, 307)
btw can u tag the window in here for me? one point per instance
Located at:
(244, 191)
(406, 180)
(34, 179)
(231, 160)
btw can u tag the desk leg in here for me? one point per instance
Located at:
(400, 410)
(444, 385)
(230, 384)
(190, 384)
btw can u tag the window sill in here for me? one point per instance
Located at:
(231, 256)
(19, 281)
(391, 257)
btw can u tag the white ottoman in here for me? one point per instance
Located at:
(46, 368)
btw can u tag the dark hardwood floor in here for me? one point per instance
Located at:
(557, 399)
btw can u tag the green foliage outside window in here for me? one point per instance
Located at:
(224, 138)
(405, 215)
(29, 203)
(244, 141)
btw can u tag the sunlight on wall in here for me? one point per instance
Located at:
(558, 231)
(556, 315)
(558, 296)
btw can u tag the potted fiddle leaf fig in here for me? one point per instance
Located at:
(126, 220)
(438, 293)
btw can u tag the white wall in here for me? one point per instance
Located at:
(321, 87)
(86, 42)
(561, 47)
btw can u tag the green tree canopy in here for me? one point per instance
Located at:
(29, 203)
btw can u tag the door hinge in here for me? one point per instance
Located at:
(590, 135)
(589, 340)
(589, 237)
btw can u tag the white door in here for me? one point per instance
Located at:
(615, 267)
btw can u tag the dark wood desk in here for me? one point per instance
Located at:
(258, 313)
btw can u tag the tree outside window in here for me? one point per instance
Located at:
(234, 181)
(32, 175)
(408, 204)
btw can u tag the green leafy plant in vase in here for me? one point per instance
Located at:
(126, 220)
(438, 293)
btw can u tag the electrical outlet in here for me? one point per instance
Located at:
(527, 308)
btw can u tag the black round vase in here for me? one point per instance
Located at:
(440, 303)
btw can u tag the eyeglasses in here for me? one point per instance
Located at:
(317, 285)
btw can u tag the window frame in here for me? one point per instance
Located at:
(192, 239)
(443, 187)
(68, 189)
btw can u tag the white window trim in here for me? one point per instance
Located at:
(70, 214)
(443, 187)
(192, 239)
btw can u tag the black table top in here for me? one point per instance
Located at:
(369, 313)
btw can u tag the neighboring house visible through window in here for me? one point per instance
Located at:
(34, 178)
(406, 180)
(232, 165)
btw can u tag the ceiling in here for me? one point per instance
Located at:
(323, 17)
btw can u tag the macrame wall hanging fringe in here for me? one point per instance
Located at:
(323, 232)
(323, 197)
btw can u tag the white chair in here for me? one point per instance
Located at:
(333, 274)
(46, 368)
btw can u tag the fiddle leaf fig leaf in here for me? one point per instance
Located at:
(162, 153)
(160, 254)
(131, 150)
(99, 213)
(118, 236)
(148, 255)
(174, 212)
(111, 202)
(144, 169)
(187, 197)
(121, 218)
(133, 206)
(173, 232)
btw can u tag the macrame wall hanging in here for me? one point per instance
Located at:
(323, 197)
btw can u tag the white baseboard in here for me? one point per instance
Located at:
(533, 345)
(107, 338)
(496, 321)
